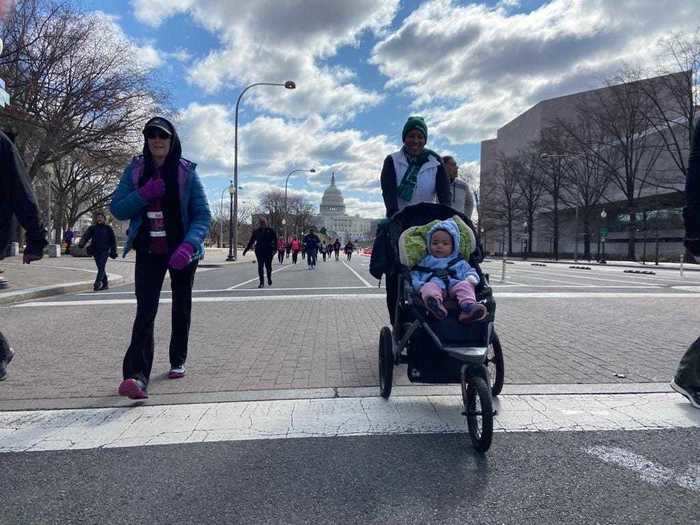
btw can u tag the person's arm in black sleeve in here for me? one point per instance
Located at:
(442, 186)
(112, 244)
(691, 212)
(251, 241)
(87, 236)
(389, 189)
(23, 201)
(274, 240)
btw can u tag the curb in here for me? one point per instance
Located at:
(50, 291)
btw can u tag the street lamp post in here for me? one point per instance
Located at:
(603, 235)
(286, 181)
(233, 235)
(232, 194)
(525, 251)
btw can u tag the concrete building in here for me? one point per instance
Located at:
(659, 223)
(333, 218)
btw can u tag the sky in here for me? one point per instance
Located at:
(362, 67)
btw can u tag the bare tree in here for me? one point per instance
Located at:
(531, 189)
(672, 104)
(74, 84)
(507, 184)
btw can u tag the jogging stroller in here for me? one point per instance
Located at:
(437, 351)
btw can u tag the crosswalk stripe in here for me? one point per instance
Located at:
(143, 425)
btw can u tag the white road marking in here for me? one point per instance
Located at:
(251, 290)
(139, 425)
(647, 470)
(256, 278)
(353, 297)
(574, 278)
(626, 278)
(367, 285)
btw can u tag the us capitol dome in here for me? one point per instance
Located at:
(332, 216)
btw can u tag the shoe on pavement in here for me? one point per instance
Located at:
(472, 312)
(269, 281)
(4, 363)
(176, 372)
(133, 389)
(435, 308)
(692, 394)
(261, 285)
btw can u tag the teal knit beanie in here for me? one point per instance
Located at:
(415, 123)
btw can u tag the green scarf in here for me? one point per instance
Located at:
(410, 178)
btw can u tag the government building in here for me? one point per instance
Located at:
(337, 223)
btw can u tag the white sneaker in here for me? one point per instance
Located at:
(177, 372)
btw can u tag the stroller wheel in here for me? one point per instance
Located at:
(478, 408)
(386, 362)
(495, 365)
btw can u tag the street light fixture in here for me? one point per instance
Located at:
(233, 234)
(286, 181)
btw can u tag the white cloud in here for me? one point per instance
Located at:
(270, 147)
(278, 41)
(112, 34)
(471, 68)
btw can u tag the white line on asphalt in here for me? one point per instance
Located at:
(136, 426)
(251, 290)
(255, 278)
(367, 285)
(647, 470)
(579, 277)
(373, 295)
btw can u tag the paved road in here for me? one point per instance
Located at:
(319, 330)
(597, 477)
(309, 345)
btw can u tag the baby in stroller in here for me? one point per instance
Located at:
(443, 272)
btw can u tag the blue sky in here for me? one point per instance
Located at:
(362, 67)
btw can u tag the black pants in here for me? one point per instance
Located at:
(280, 256)
(337, 255)
(4, 348)
(264, 263)
(391, 283)
(149, 274)
(324, 255)
(101, 262)
(294, 257)
(311, 258)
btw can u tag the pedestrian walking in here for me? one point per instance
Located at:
(412, 175)
(264, 239)
(462, 197)
(348, 249)
(288, 247)
(322, 249)
(687, 378)
(296, 248)
(311, 243)
(281, 246)
(163, 197)
(103, 245)
(336, 249)
(17, 198)
(68, 239)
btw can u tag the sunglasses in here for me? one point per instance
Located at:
(152, 133)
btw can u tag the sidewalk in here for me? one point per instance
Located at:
(67, 274)
(687, 266)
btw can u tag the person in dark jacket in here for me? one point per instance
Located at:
(162, 195)
(687, 378)
(103, 245)
(336, 249)
(311, 243)
(17, 198)
(264, 239)
(409, 176)
(68, 239)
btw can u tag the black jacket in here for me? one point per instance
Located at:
(265, 240)
(17, 198)
(691, 213)
(103, 240)
(390, 189)
(311, 242)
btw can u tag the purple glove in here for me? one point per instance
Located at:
(181, 257)
(152, 190)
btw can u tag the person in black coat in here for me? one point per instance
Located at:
(687, 378)
(17, 198)
(103, 245)
(311, 243)
(265, 240)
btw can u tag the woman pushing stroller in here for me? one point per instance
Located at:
(443, 272)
